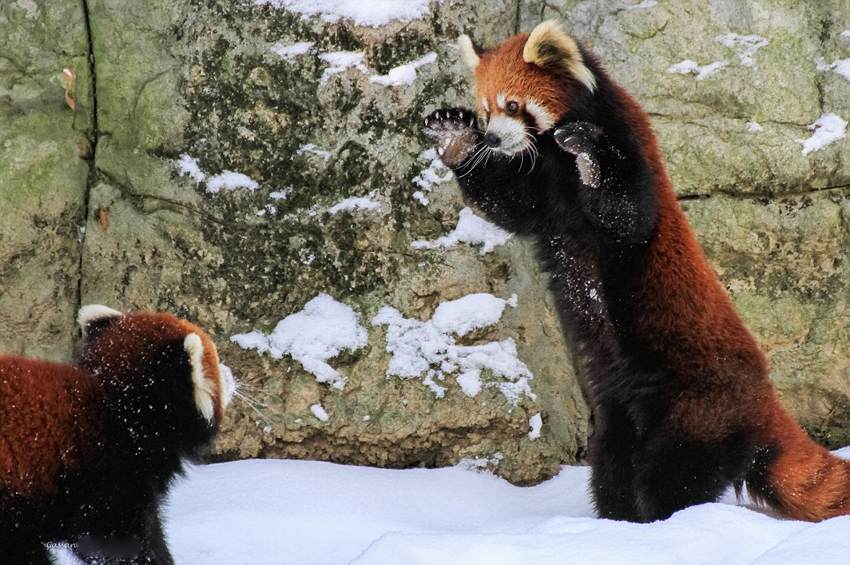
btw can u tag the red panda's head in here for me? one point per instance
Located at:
(172, 352)
(526, 84)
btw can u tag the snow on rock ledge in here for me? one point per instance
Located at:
(470, 229)
(430, 350)
(322, 330)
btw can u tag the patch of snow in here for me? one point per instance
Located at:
(367, 417)
(356, 203)
(189, 166)
(286, 512)
(485, 465)
(319, 412)
(436, 172)
(470, 229)
(322, 330)
(228, 180)
(642, 5)
(311, 148)
(840, 66)
(746, 45)
(372, 13)
(828, 128)
(754, 127)
(688, 67)
(267, 429)
(289, 52)
(512, 301)
(845, 33)
(308, 259)
(340, 61)
(282, 194)
(420, 196)
(403, 74)
(429, 350)
(535, 423)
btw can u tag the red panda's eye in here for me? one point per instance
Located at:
(512, 107)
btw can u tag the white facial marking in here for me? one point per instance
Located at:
(544, 120)
(485, 104)
(228, 384)
(203, 388)
(500, 101)
(92, 312)
(511, 131)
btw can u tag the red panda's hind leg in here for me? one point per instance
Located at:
(612, 474)
(672, 473)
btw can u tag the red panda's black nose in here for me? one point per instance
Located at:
(492, 140)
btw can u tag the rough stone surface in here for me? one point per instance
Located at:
(202, 79)
(42, 174)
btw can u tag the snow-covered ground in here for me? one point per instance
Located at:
(271, 512)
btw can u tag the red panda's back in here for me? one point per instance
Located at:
(48, 425)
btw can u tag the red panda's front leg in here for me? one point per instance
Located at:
(454, 135)
(616, 191)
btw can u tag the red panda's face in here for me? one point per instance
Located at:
(129, 345)
(525, 85)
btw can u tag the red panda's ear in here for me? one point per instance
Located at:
(204, 390)
(470, 53)
(94, 318)
(549, 44)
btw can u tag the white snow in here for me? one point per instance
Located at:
(289, 52)
(319, 412)
(273, 512)
(281, 195)
(403, 74)
(845, 33)
(754, 127)
(688, 67)
(356, 203)
(228, 180)
(373, 13)
(840, 66)
(189, 166)
(470, 229)
(436, 172)
(322, 330)
(420, 196)
(535, 423)
(746, 45)
(339, 61)
(311, 148)
(642, 5)
(828, 128)
(429, 350)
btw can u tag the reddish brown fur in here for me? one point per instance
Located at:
(42, 436)
(503, 70)
(805, 482)
(723, 387)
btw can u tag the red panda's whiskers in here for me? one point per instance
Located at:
(253, 404)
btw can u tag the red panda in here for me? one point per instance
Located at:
(87, 451)
(682, 403)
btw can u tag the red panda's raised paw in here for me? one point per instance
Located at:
(580, 139)
(453, 132)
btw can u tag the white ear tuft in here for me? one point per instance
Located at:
(549, 44)
(94, 312)
(467, 52)
(203, 388)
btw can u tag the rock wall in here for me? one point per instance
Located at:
(129, 200)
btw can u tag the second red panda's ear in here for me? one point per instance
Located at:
(550, 45)
(94, 318)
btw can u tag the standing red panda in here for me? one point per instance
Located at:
(87, 451)
(679, 390)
